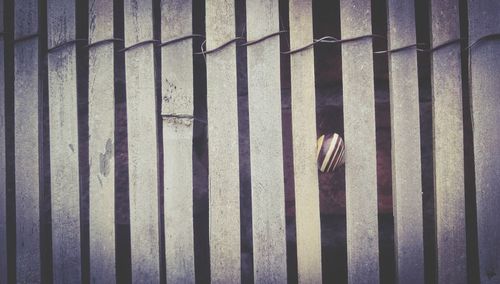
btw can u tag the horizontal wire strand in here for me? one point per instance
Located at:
(171, 41)
(141, 43)
(104, 41)
(58, 46)
(26, 37)
(245, 43)
(324, 39)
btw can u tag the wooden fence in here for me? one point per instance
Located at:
(44, 40)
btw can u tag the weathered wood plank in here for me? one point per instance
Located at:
(3, 187)
(222, 112)
(26, 110)
(177, 100)
(304, 144)
(179, 238)
(101, 144)
(448, 143)
(405, 122)
(142, 143)
(359, 125)
(63, 122)
(266, 150)
(485, 86)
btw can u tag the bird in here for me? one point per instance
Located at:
(330, 152)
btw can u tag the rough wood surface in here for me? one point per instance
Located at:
(65, 178)
(266, 151)
(222, 112)
(3, 187)
(142, 143)
(448, 143)
(26, 112)
(177, 99)
(359, 125)
(485, 94)
(405, 125)
(304, 144)
(101, 144)
(179, 238)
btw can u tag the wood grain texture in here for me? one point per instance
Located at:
(27, 100)
(448, 143)
(359, 125)
(64, 146)
(101, 144)
(179, 237)
(266, 150)
(304, 144)
(3, 173)
(177, 99)
(485, 94)
(222, 112)
(405, 122)
(142, 143)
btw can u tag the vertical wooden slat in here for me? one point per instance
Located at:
(177, 111)
(3, 187)
(26, 109)
(64, 142)
(448, 143)
(484, 85)
(266, 152)
(142, 142)
(101, 144)
(359, 125)
(304, 144)
(405, 121)
(222, 112)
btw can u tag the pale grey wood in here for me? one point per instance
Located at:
(307, 211)
(266, 150)
(27, 160)
(60, 22)
(448, 143)
(142, 143)
(26, 117)
(177, 99)
(224, 185)
(179, 238)
(177, 58)
(405, 125)
(101, 144)
(64, 146)
(485, 94)
(3, 185)
(360, 153)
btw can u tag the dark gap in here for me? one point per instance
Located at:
(387, 261)
(200, 153)
(386, 247)
(422, 18)
(422, 22)
(330, 119)
(45, 202)
(286, 117)
(9, 140)
(159, 138)
(286, 122)
(469, 170)
(284, 45)
(122, 209)
(247, 269)
(82, 60)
